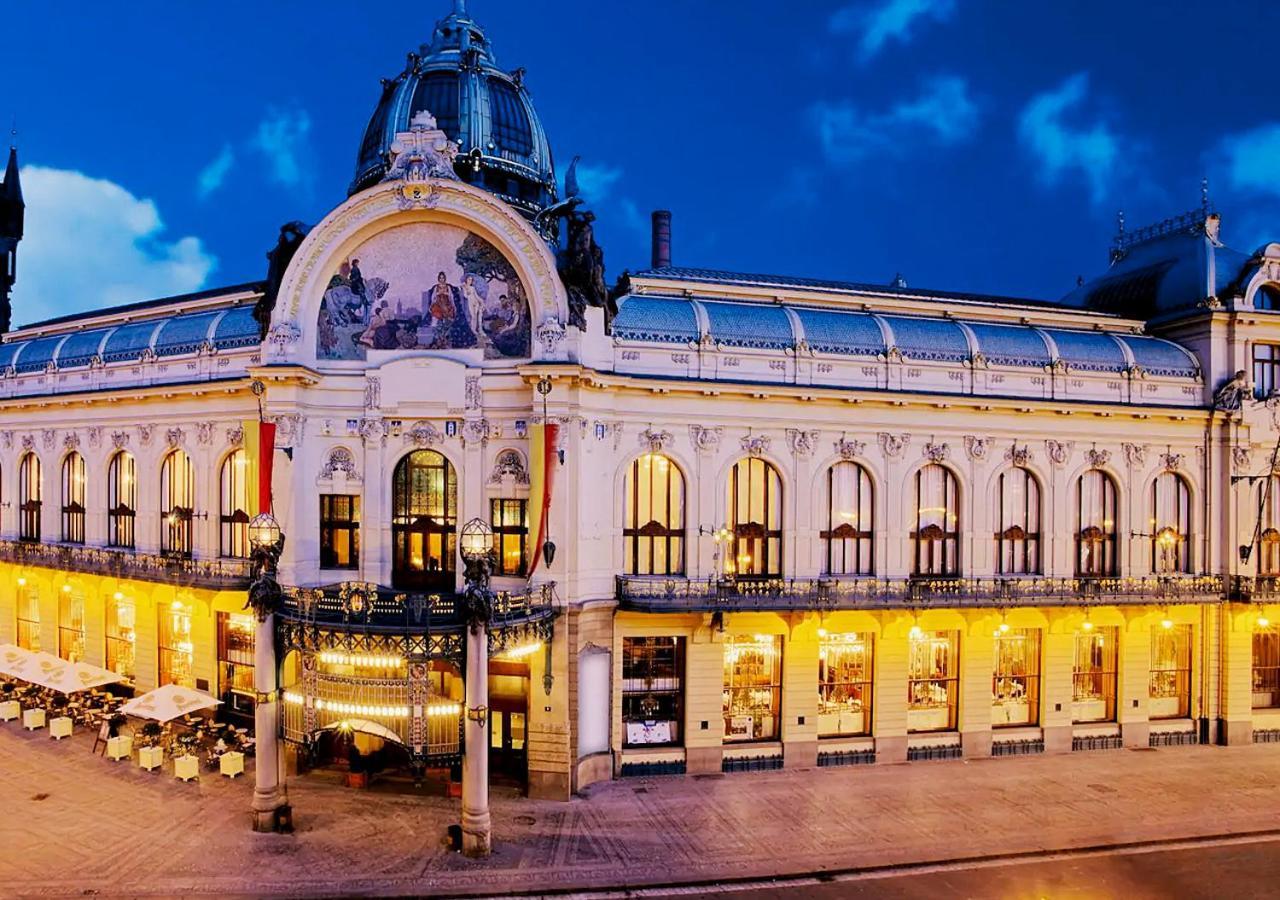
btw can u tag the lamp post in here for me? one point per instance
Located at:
(477, 553)
(266, 542)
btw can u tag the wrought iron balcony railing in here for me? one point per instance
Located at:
(1255, 589)
(366, 606)
(683, 594)
(217, 574)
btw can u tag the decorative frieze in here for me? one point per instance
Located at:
(422, 435)
(474, 394)
(373, 431)
(49, 438)
(1018, 456)
(936, 453)
(173, 438)
(977, 448)
(509, 464)
(756, 444)
(235, 436)
(120, 439)
(95, 436)
(1171, 462)
(704, 439)
(1097, 458)
(892, 446)
(1135, 454)
(340, 461)
(372, 392)
(71, 441)
(204, 433)
(802, 443)
(1241, 458)
(146, 434)
(1059, 452)
(849, 450)
(656, 441)
(475, 431)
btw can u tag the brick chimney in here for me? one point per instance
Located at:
(661, 238)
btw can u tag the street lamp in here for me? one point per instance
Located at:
(477, 540)
(476, 546)
(264, 531)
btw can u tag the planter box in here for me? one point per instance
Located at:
(150, 758)
(186, 767)
(10, 710)
(60, 728)
(231, 764)
(32, 719)
(119, 748)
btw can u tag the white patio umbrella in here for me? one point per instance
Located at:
(364, 726)
(17, 662)
(168, 702)
(69, 677)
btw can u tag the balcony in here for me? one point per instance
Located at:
(650, 594)
(214, 574)
(1259, 589)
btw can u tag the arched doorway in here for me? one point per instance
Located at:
(424, 520)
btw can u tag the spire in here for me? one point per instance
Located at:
(12, 186)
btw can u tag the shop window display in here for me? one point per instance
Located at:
(752, 687)
(844, 684)
(652, 691)
(1093, 675)
(1170, 696)
(932, 680)
(1015, 683)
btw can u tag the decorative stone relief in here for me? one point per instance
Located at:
(120, 439)
(283, 338)
(704, 439)
(977, 448)
(289, 430)
(936, 453)
(423, 435)
(374, 431)
(146, 433)
(6, 438)
(475, 431)
(656, 441)
(1135, 454)
(340, 460)
(1242, 458)
(71, 441)
(235, 436)
(372, 392)
(893, 446)
(849, 450)
(474, 394)
(1059, 451)
(1172, 462)
(173, 437)
(509, 464)
(550, 335)
(1097, 458)
(756, 444)
(49, 437)
(28, 442)
(204, 433)
(95, 437)
(802, 443)
(1018, 456)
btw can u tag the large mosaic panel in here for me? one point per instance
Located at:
(424, 287)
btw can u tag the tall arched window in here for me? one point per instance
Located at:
(1170, 524)
(1017, 523)
(754, 520)
(122, 500)
(653, 533)
(73, 490)
(1095, 525)
(424, 520)
(1269, 527)
(849, 534)
(233, 505)
(936, 532)
(177, 504)
(29, 494)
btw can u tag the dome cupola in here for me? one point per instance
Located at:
(486, 110)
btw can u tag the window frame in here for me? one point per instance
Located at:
(1101, 535)
(1105, 676)
(30, 497)
(122, 500)
(856, 537)
(233, 505)
(1171, 538)
(1266, 369)
(169, 649)
(935, 549)
(333, 523)
(67, 602)
(118, 637)
(74, 488)
(639, 664)
(861, 690)
(504, 528)
(770, 664)
(1019, 542)
(641, 540)
(439, 517)
(1266, 678)
(759, 543)
(1179, 674)
(1032, 649)
(177, 477)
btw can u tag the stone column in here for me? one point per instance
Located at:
(477, 830)
(268, 794)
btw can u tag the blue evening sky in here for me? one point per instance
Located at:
(976, 146)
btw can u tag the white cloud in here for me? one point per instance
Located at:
(1091, 152)
(943, 113)
(596, 181)
(90, 243)
(1251, 159)
(889, 20)
(283, 138)
(213, 175)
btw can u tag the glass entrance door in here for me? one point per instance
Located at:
(508, 742)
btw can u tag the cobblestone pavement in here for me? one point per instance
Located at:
(74, 823)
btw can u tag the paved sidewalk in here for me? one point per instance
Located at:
(74, 823)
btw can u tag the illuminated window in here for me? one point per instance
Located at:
(653, 529)
(652, 691)
(1095, 521)
(29, 498)
(1266, 667)
(122, 637)
(1170, 524)
(933, 682)
(1170, 695)
(1266, 370)
(1015, 683)
(935, 533)
(1017, 532)
(844, 684)
(235, 662)
(339, 531)
(233, 506)
(73, 503)
(177, 650)
(754, 520)
(1269, 525)
(1093, 675)
(848, 537)
(177, 504)
(71, 626)
(510, 522)
(122, 500)
(752, 687)
(424, 510)
(28, 618)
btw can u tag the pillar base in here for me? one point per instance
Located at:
(265, 805)
(477, 834)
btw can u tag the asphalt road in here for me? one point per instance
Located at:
(1238, 870)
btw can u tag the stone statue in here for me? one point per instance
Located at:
(582, 268)
(1230, 397)
(278, 259)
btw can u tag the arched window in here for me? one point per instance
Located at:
(29, 488)
(1095, 525)
(424, 513)
(936, 533)
(233, 505)
(1269, 527)
(177, 504)
(1267, 296)
(850, 521)
(754, 520)
(73, 489)
(1017, 523)
(1170, 524)
(122, 500)
(653, 533)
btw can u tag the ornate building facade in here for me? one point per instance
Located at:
(791, 522)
